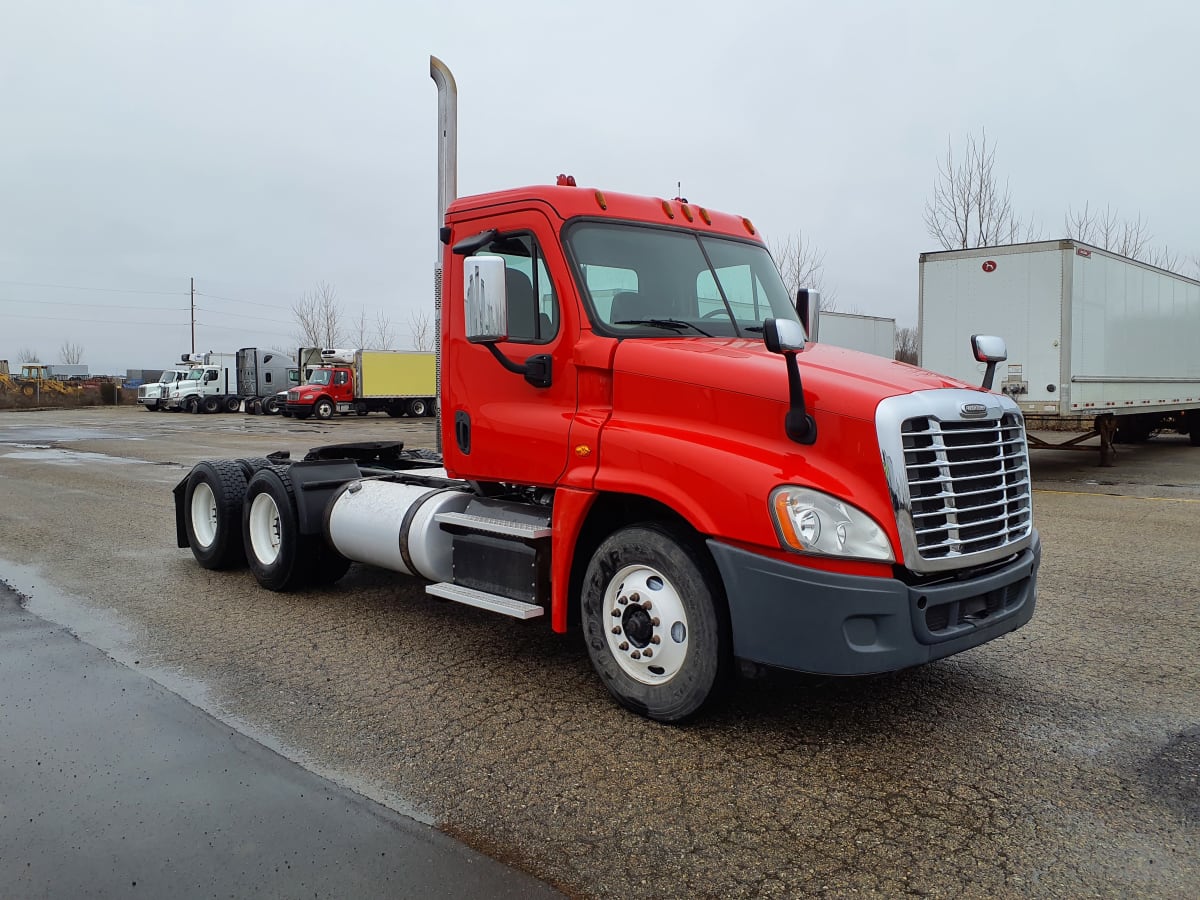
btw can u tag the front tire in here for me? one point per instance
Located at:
(213, 501)
(323, 408)
(655, 621)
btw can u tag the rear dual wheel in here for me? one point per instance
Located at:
(281, 558)
(213, 506)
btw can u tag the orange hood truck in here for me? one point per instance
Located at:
(637, 438)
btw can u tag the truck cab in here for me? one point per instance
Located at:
(327, 389)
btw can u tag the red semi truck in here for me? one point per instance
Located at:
(637, 438)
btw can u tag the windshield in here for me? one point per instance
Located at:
(319, 376)
(642, 281)
(195, 375)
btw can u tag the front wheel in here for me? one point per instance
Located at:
(323, 408)
(655, 621)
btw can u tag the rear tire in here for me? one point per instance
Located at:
(417, 407)
(655, 621)
(361, 407)
(274, 549)
(212, 404)
(269, 406)
(233, 404)
(213, 507)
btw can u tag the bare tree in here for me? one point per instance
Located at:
(356, 333)
(969, 207)
(907, 345)
(1129, 237)
(71, 353)
(385, 334)
(801, 264)
(28, 355)
(421, 327)
(318, 317)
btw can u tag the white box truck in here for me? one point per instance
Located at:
(1092, 336)
(870, 334)
(210, 386)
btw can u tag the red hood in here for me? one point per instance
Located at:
(840, 381)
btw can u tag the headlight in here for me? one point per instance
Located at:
(809, 521)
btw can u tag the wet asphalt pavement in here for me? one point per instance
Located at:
(112, 786)
(1062, 760)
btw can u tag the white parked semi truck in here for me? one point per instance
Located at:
(1093, 337)
(210, 386)
(153, 395)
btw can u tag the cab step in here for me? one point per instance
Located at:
(483, 600)
(485, 525)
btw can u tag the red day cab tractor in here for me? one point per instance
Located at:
(639, 438)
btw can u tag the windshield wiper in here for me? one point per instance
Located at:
(674, 324)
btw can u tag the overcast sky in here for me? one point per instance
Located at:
(262, 147)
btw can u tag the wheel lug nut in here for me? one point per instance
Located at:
(622, 600)
(624, 645)
(636, 655)
(648, 653)
(656, 639)
(646, 604)
(635, 597)
(616, 614)
(654, 621)
(616, 629)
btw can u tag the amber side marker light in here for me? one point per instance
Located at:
(705, 216)
(601, 202)
(667, 209)
(749, 225)
(687, 212)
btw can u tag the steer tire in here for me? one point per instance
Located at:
(655, 621)
(212, 504)
(323, 408)
(280, 558)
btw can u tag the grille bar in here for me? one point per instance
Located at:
(969, 484)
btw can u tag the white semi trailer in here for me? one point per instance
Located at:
(1092, 337)
(870, 334)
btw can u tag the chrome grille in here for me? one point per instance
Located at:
(968, 483)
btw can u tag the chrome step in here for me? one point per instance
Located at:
(491, 602)
(483, 524)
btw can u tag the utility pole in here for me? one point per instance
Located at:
(193, 314)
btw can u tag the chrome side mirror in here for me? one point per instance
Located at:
(990, 349)
(485, 299)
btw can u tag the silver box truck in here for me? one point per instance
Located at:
(1093, 337)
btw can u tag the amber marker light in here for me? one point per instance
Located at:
(667, 209)
(600, 201)
(705, 216)
(784, 520)
(687, 212)
(749, 225)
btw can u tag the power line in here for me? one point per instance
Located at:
(74, 287)
(92, 306)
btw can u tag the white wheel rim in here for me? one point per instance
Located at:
(265, 529)
(204, 514)
(645, 624)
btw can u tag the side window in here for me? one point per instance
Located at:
(532, 302)
(267, 377)
(340, 378)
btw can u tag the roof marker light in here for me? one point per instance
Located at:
(705, 216)
(687, 212)
(601, 201)
(667, 209)
(749, 225)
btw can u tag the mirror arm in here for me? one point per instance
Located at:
(536, 369)
(989, 374)
(798, 424)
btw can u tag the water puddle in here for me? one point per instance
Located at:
(122, 641)
(63, 457)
